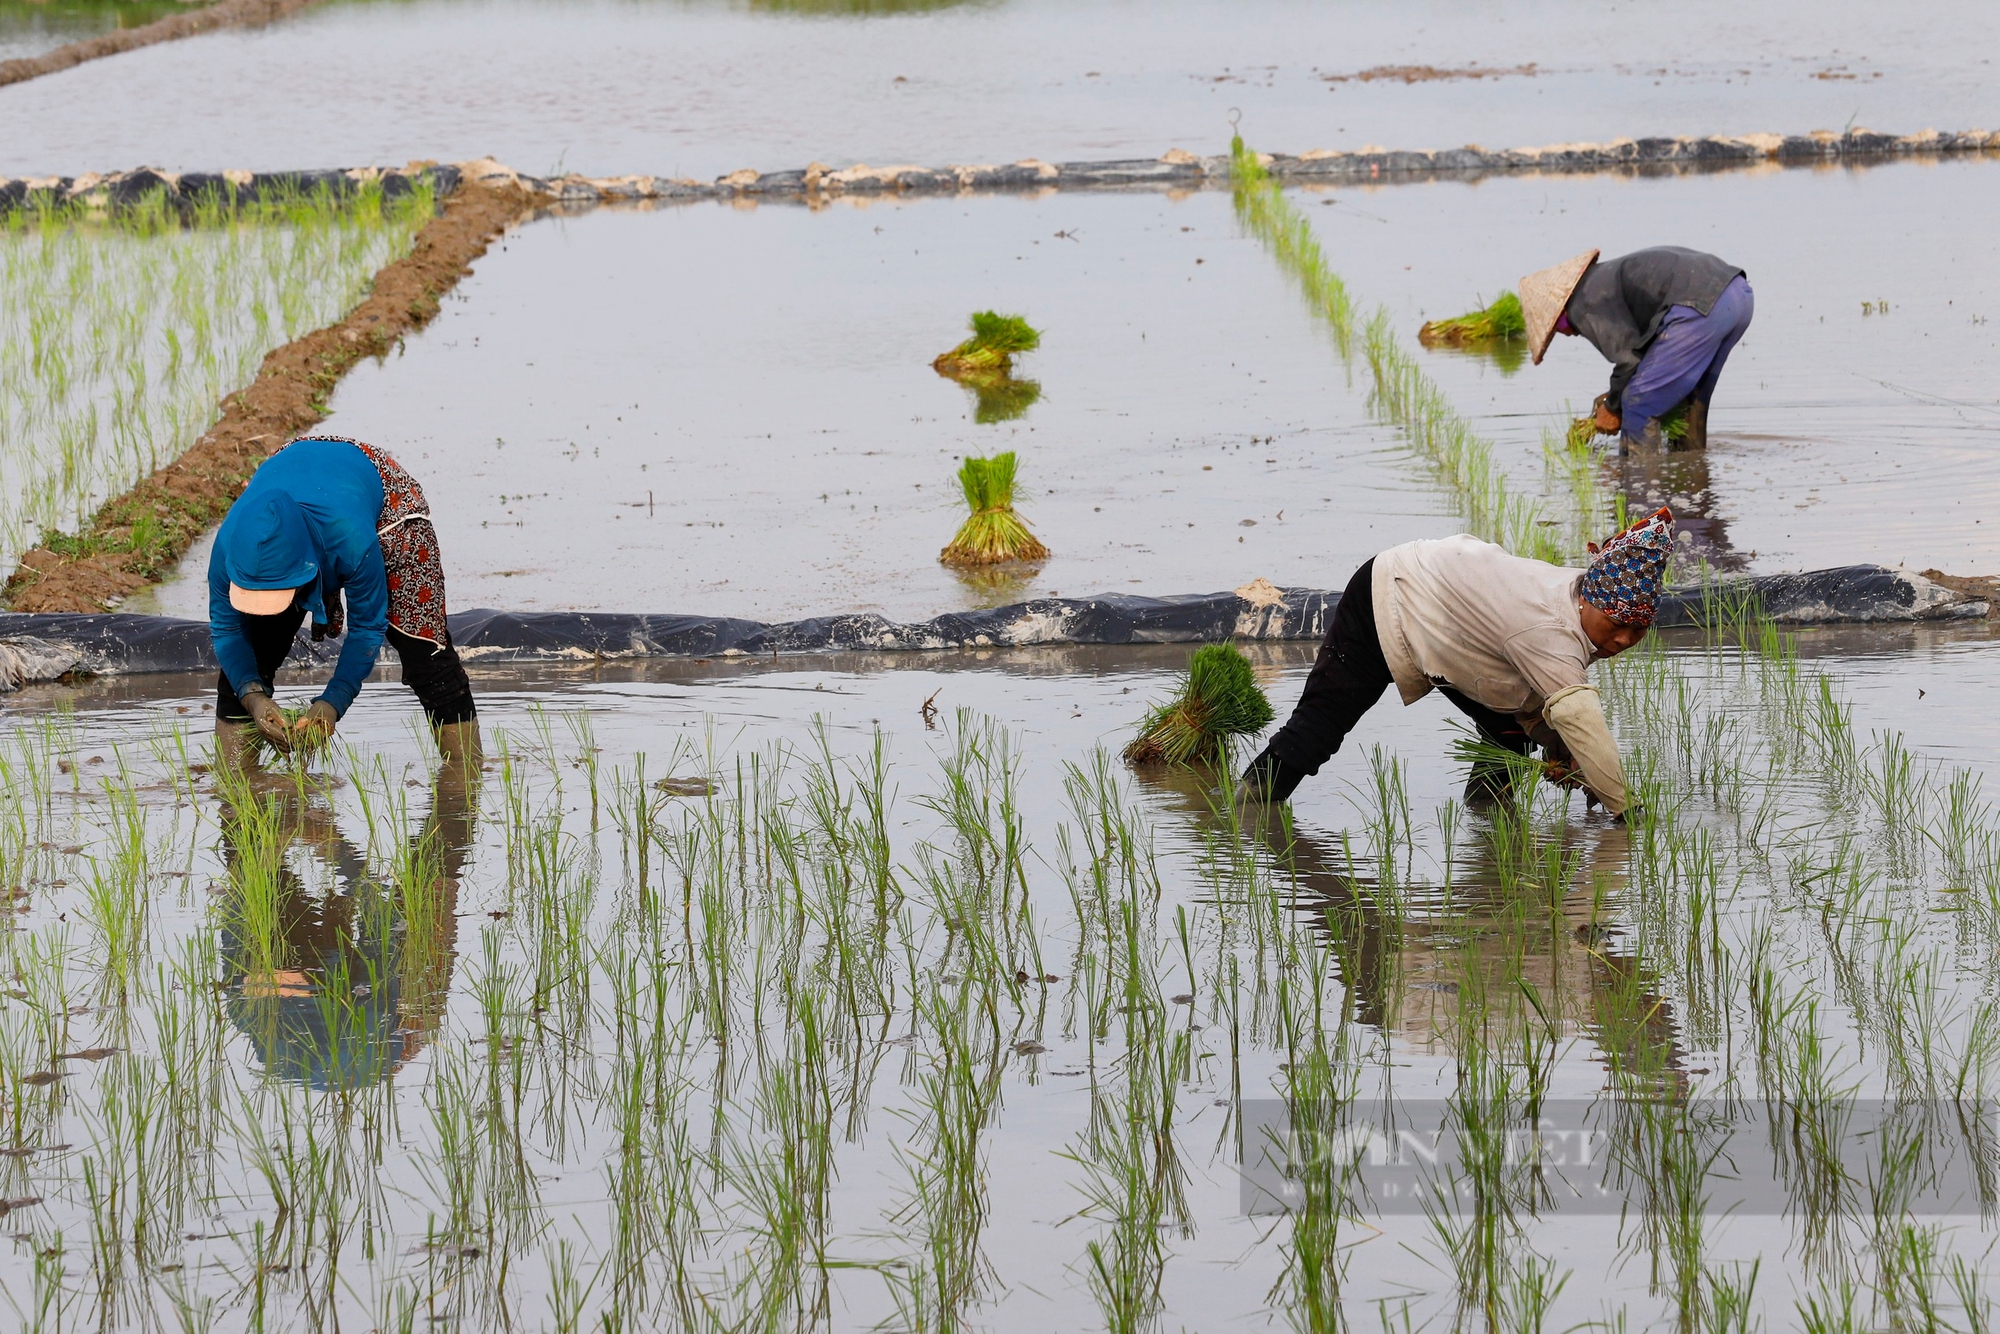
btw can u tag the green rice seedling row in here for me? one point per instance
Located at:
(124, 333)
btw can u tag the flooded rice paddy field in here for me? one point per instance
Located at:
(730, 411)
(30, 27)
(912, 1026)
(123, 334)
(905, 1004)
(608, 86)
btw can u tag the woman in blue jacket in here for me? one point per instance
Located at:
(337, 530)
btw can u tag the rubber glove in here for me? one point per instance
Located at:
(315, 728)
(1608, 421)
(270, 719)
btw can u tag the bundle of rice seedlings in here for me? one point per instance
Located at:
(303, 747)
(1673, 428)
(999, 397)
(994, 532)
(995, 340)
(1218, 701)
(1500, 322)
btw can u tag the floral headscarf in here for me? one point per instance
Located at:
(1624, 579)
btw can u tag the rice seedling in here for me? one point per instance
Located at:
(1402, 394)
(1673, 429)
(996, 340)
(993, 533)
(783, 1055)
(1214, 704)
(1499, 321)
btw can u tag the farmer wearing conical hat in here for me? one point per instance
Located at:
(1665, 318)
(338, 531)
(1507, 640)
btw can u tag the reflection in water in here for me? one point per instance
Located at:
(1513, 940)
(1506, 355)
(340, 968)
(997, 585)
(1651, 478)
(999, 397)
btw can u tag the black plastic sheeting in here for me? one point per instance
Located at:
(45, 647)
(184, 191)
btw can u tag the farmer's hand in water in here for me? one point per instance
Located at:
(315, 728)
(1563, 773)
(1607, 421)
(270, 719)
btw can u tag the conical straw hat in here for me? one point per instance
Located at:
(1543, 296)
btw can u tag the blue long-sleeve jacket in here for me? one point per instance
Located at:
(307, 521)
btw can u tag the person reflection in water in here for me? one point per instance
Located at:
(1679, 480)
(1435, 978)
(339, 985)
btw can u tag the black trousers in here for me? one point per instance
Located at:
(435, 673)
(1347, 679)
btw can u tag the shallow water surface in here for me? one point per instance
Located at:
(418, 1032)
(724, 410)
(734, 412)
(612, 86)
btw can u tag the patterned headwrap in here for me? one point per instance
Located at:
(1623, 580)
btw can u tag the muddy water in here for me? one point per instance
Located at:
(721, 410)
(1060, 704)
(706, 88)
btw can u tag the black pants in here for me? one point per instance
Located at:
(1347, 679)
(434, 673)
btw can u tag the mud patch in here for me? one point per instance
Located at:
(1430, 74)
(1978, 587)
(136, 537)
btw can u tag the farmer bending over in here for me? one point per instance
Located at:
(1665, 318)
(1507, 641)
(337, 529)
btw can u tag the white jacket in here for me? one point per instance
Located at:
(1499, 629)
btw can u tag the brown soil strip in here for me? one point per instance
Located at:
(1429, 73)
(227, 14)
(1984, 587)
(136, 538)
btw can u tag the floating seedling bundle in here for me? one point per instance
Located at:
(984, 364)
(996, 340)
(1500, 322)
(993, 533)
(1216, 702)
